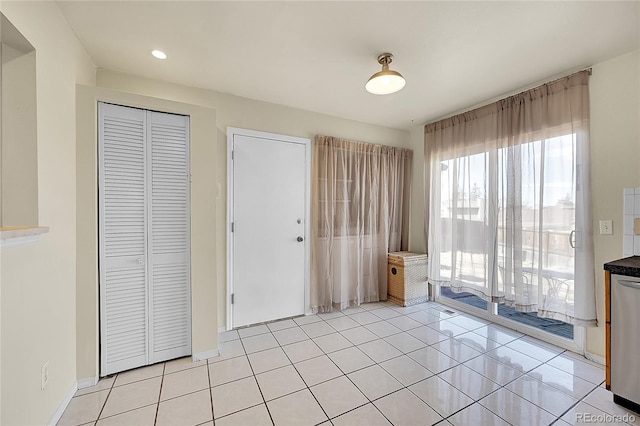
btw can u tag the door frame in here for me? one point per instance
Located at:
(231, 133)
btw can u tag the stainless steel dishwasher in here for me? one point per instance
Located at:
(625, 341)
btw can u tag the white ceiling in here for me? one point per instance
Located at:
(317, 56)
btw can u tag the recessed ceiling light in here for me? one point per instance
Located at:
(159, 54)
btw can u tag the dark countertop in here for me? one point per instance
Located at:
(629, 266)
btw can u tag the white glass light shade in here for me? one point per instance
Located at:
(385, 82)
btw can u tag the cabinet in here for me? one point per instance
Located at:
(622, 291)
(629, 266)
(607, 330)
(144, 226)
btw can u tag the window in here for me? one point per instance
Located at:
(545, 201)
(509, 205)
(349, 192)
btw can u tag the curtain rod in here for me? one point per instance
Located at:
(351, 141)
(496, 99)
(588, 70)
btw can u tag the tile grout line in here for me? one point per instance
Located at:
(255, 379)
(106, 399)
(113, 388)
(578, 402)
(213, 414)
(155, 420)
(521, 397)
(304, 381)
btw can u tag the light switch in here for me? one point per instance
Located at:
(606, 227)
(636, 226)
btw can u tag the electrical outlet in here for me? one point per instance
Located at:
(44, 375)
(606, 227)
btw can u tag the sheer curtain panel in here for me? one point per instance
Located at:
(509, 215)
(360, 212)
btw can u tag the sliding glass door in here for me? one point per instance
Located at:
(508, 236)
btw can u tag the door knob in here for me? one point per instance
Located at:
(139, 261)
(300, 239)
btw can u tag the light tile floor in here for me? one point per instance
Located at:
(379, 364)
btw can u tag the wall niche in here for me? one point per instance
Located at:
(18, 130)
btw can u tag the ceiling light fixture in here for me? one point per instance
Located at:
(386, 81)
(159, 54)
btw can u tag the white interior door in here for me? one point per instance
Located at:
(145, 301)
(268, 242)
(169, 242)
(123, 238)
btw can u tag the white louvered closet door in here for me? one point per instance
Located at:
(123, 238)
(145, 314)
(170, 313)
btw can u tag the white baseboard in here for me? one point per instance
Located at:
(205, 355)
(63, 405)
(87, 382)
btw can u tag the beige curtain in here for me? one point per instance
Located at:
(509, 202)
(360, 212)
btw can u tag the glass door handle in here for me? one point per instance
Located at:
(572, 239)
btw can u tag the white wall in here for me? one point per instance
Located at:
(38, 281)
(615, 162)
(615, 150)
(245, 113)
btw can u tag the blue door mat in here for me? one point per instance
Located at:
(531, 319)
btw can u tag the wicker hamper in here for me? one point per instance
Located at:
(407, 278)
